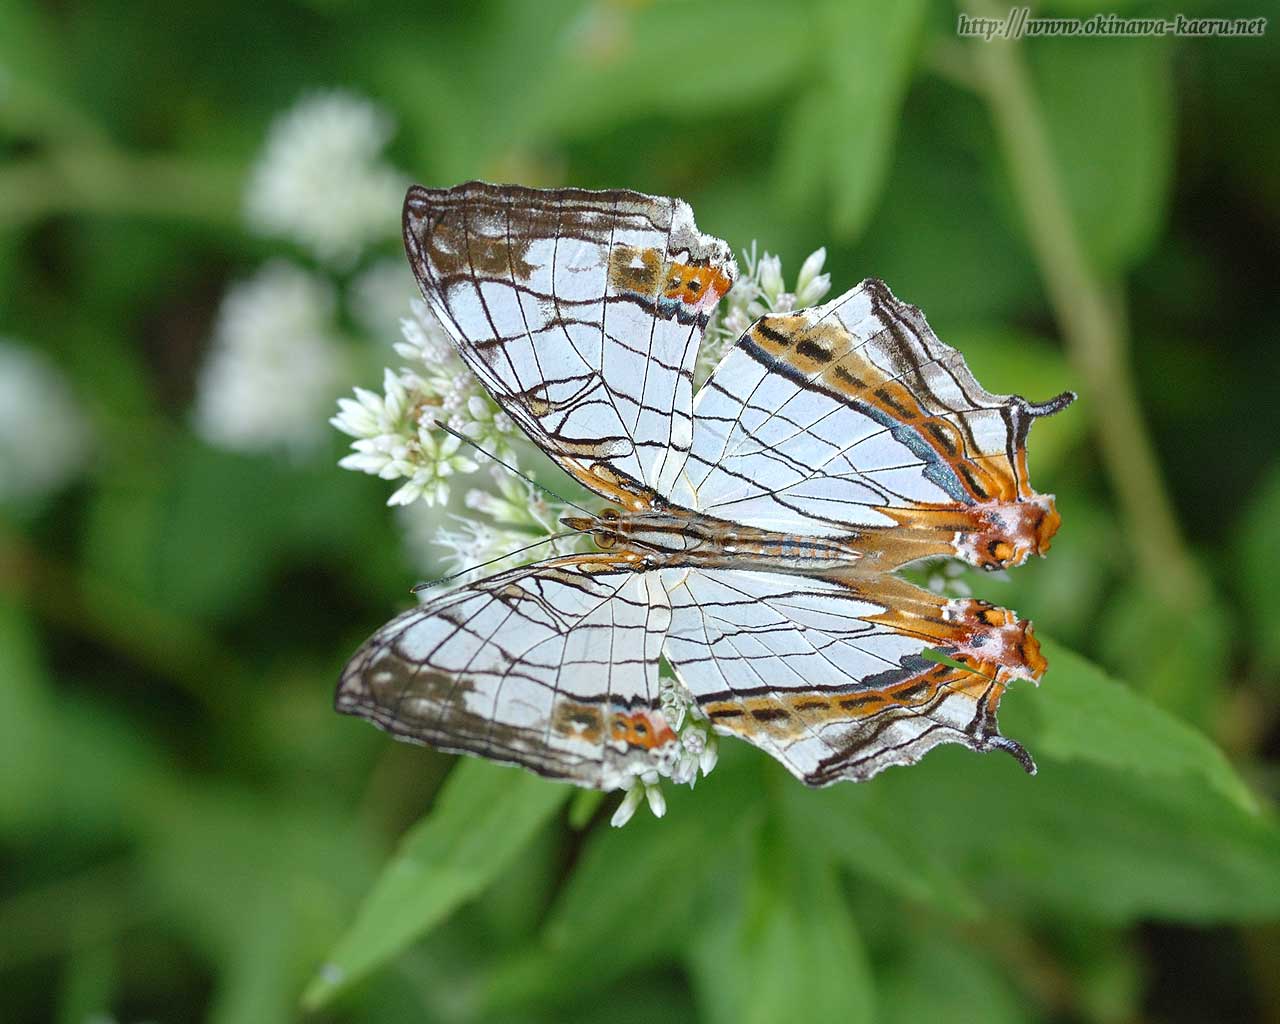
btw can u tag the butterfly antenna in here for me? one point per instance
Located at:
(420, 587)
(532, 483)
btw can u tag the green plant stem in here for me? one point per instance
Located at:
(100, 179)
(1092, 327)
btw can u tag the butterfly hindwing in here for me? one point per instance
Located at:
(854, 419)
(552, 666)
(581, 312)
(830, 676)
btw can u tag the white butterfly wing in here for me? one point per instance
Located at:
(829, 677)
(853, 418)
(552, 666)
(581, 312)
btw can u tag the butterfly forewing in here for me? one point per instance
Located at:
(581, 312)
(853, 418)
(552, 666)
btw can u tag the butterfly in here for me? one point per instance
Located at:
(754, 527)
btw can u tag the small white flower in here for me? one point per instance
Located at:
(627, 809)
(657, 801)
(692, 727)
(274, 364)
(435, 460)
(425, 339)
(321, 180)
(517, 504)
(710, 754)
(474, 542)
(769, 277)
(812, 284)
(44, 438)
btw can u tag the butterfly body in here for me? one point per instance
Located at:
(756, 525)
(678, 537)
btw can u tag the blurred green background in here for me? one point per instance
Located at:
(187, 830)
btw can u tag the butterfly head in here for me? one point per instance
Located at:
(606, 528)
(650, 532)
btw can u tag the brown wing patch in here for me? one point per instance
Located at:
(901, 393)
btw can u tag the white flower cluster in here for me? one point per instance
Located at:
(698, 751)
(500, 528)
(275, 364)
(321, 180)
(947, 577)
(759, 290)
(398, 433)
(44, 438)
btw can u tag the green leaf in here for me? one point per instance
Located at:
(1133, 814)
(933, 976)
(262, 883)
(1079, 840)
(1257, 556)
(784, 947)
(485, 815)
(152, 534)
(1108, 106)
(938, 658)
(870, 63)
(35, 96)
(938, 235)
(636, 891)
(583, 806)
(89, 984)
(1081, 714)
(1179, 661)
(256, 984)
(802, 165)
(862, 829)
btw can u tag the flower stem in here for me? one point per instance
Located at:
(1091, 323)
